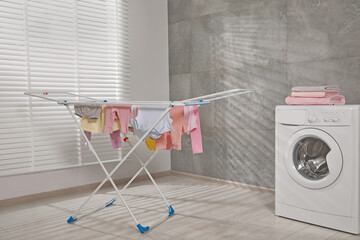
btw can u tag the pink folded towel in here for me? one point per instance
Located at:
(313, 94)
(330, 100)
(329, 88)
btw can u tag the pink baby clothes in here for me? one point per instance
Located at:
(88, 135)
(113, 113)
(190, 117)
(114, 137)
(330, 100)
(195, 134)
(180, 126)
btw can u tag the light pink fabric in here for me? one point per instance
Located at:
(331, 100)
(115, 139)
(113, 113)
(173, 138)
(313, 94)
(88, 135)
(190, 117)
(195, 134)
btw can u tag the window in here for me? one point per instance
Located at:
(78, 46)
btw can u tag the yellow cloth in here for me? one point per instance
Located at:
(151, 144)
(98, 125)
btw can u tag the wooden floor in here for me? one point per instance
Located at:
(204, 210)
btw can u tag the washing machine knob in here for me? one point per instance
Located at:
(312, 118)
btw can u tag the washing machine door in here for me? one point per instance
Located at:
(313, 158)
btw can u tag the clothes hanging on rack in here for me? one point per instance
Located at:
(98, 126)
(151, 143)
(166, 136)
(116, 114)
(195, 134)
(92, 111)
(190, 117)
(186, 121)
(172, 139)
(88, 135)
(146, 116)
(115, 138)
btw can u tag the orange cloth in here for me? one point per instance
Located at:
(151, 144)
(173, 139)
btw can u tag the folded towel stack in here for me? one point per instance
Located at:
(315, 95)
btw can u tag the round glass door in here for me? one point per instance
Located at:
(309, 158)
(313, 158)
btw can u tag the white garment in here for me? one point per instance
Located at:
(147, 116)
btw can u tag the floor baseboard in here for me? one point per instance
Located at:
(83, 188)
(90, 187)
(222, 181)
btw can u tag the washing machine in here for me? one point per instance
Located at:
(317, 165)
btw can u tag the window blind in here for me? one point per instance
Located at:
(78, 46)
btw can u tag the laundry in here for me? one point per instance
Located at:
(88, 136)
(180, 126)
(191, 114)
(151, 144)
(117, 113)
(313, 94)
(115, 139)
(316, 95)
(90, 110)
(330, 100)
(190, 117)
(147, 116)
(98, 125)
(195, 134)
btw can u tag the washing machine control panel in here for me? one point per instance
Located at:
(329, 117)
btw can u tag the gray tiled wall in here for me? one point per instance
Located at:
(267, 45)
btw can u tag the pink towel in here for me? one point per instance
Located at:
(313, 94)
(195, 134)
(330, 100)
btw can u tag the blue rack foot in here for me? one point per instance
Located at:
(142, 229)
(71, 219)
(171, 210)
(110, 202)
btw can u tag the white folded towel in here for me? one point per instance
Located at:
(328, 88)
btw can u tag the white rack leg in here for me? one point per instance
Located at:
(140, 170)
(148, 173)
(108, 177)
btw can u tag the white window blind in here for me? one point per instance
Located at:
(78, 46)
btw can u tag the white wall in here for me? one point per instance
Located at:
(149, 49)
(150, 81)
(149, 56)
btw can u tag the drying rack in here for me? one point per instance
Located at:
(202, 100)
